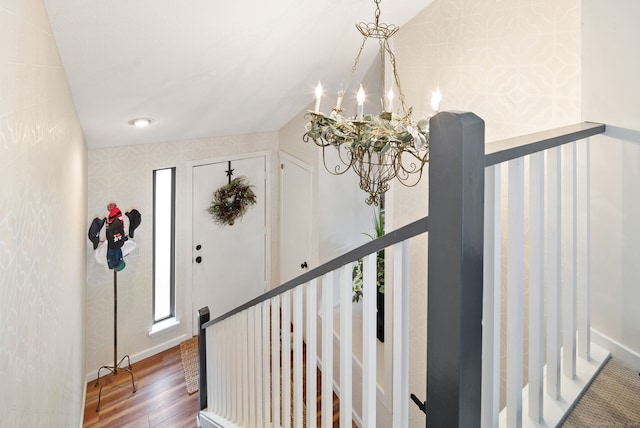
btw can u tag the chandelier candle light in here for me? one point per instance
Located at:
(380, 147)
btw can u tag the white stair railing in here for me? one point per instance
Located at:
(557, 242)
(256, 355)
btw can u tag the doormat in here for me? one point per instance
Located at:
(189, 355)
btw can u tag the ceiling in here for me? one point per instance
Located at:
(205, 68)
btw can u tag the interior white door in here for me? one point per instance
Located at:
(295, 217)
(229, 262)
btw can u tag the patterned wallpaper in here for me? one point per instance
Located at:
(515, 63)
(125, 175)
(43, 170)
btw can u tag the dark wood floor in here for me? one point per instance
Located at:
(161, 399)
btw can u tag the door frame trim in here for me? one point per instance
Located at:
(188, 224)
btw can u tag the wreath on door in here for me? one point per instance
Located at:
(230, 202)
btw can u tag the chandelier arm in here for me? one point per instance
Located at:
(415, 166)
(317, 142)
(404, 180)
(344, 151)
(338, 168)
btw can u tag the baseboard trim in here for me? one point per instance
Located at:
(627, 357)
(84, 403)
(208, 419)
(572, 389)
(93, 375)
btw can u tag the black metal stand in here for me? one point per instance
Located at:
(116, 364)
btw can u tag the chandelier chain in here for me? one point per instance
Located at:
(355, 63)
(377, 11)
(396, 76)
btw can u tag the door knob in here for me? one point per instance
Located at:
(198, 259)
(304, 265)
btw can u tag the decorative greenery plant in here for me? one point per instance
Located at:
(231, 202)
(380, 132)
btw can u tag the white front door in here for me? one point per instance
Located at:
(229, 262)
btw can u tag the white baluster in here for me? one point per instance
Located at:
(266, 356)
(237, 365)
(536, 285)
(297, 356)
(327, 349)
(554, 232)
(401, 334)
(346, 345)
(369, 299)
(312, 351)
(515, 294)
(244, 349)
(225, 370)
(584, 255)
(229, 370)
(252, 362)
(259, 356)
(213, 365)
(569, 251)
(275, 361)
(491, 299)
(285, 337)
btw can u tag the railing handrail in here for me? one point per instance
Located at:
(511, 148)
(415, 228)
(495, 153)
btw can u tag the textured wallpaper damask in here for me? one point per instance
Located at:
(514, 63)
(43, 170)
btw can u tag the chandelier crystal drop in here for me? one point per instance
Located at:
(379, 148)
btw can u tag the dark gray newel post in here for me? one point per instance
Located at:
(456, 225)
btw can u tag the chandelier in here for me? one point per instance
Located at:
(379, 148)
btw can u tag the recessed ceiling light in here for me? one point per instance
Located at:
(140, 122)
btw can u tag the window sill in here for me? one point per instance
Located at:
(164, 326)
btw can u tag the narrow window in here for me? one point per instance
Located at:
(164, 191)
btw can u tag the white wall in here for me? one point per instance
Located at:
(611, 94)
(43, 170)
(125, 175)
